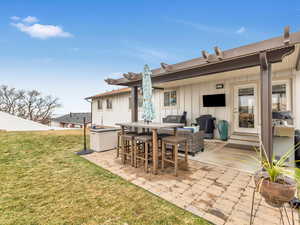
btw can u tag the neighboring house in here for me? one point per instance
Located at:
(236, 74)
(71, 120)
(10, 122)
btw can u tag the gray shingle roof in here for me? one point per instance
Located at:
(74, 118)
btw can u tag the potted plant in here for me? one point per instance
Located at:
(277, 180)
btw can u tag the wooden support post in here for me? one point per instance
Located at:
(266, 105)
(155, 150)
(134, 104)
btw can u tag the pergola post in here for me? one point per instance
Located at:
(134, 104)
(266, 105)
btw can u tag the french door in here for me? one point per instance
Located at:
(245, 108)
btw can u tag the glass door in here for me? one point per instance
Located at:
(245, 108)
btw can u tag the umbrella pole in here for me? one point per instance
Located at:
(85, 151)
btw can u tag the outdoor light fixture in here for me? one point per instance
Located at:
(219, 86)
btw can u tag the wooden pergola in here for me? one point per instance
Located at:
(262, 54)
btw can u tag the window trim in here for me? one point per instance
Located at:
(107, 99)
(288, 92)
(100, 99)
(177, 99)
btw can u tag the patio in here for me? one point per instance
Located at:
(219, 193)
(220, 154)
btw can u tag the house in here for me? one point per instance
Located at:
(111, 106)
(254, 79)
(71, 120)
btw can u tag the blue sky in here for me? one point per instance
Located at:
(66, 48)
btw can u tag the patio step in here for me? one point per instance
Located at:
(246, 139)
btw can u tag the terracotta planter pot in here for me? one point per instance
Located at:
(275, 194)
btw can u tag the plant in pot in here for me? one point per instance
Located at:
(277, 180)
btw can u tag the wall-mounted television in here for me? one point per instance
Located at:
(217, 100)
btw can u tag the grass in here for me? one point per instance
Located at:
(44, 182)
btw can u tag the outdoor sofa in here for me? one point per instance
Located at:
(194, 136)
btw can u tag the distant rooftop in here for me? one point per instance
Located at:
(110, 93)
(74, 118)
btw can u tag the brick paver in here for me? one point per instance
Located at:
(221, 195)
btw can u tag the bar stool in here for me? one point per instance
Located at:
(174, 141)
(160, 136)
(128, 147)
(119, 141)
(142, 149)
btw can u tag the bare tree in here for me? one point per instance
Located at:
(27, 104)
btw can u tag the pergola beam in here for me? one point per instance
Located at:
(218, 52)
(165, 66)
(286, 40)
(286, 35)
(205, 55)
(222, 66)
(132, 76)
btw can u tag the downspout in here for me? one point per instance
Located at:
(91, 109)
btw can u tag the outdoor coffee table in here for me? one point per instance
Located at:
(154, 127)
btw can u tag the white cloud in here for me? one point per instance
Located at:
(75, 49)
(208, 28)
(201, 27)
(15, 18)
(147, 53)
(42, 31)
(150, 55)
(42, 60)
(241, 30)
(30, 19)
(115, 75)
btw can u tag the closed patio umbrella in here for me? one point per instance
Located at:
(148, 110)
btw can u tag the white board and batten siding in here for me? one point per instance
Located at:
(109, 117)
(189, 99)
(296, 98)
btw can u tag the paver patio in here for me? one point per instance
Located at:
(221, 195)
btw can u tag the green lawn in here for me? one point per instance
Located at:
(42, 181)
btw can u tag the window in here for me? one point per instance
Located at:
(99, 103)
(108, 103)
(170, 98)
(246, 99)
(279, 97)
